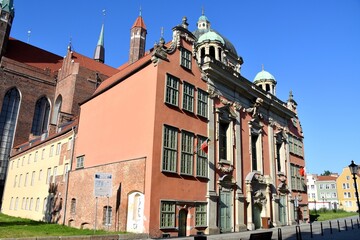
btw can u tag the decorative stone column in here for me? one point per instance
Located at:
(250, 224)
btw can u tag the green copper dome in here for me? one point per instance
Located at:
(203, 18)
(212, 36)
(263, 75)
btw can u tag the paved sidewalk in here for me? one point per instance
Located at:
(344, 231)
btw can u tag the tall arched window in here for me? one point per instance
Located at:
(8, 117)
(56, 110)
(41, 117)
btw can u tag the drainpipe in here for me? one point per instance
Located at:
(68, 174)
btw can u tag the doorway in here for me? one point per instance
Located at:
(182, 222)
(225, 211)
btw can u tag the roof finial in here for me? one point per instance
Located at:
(28, 35)
(140, 11)
(70, 43)
(162, 32)
(104, 14)
(262, 67)
(202, 11)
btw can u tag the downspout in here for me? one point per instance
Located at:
(68, 174)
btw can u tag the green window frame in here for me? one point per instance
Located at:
(201, 160)
(188, 97)
(185, 58)
(202, 103)
(297, 181)
(200, 215)
(169, 149)
(187, 153)
(167, 214)
(172, 90)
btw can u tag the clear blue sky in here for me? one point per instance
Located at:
(312, 47)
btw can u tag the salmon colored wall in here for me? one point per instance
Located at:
(121, 119)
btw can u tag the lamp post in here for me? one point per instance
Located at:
(353, 169)
(315, 206)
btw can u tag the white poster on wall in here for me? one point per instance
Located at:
(103, 185)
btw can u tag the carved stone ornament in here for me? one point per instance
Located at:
(225, 169)
(213, 93)
(255, 109)
(259, 197)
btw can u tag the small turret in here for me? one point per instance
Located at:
(137, 39)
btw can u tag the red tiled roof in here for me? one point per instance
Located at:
(326, 178)
(91, 64)
(33, 56)
(126, 70)
(139, 22)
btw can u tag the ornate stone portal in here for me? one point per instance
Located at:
(258, 197)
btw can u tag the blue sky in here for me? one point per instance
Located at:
(311, 47)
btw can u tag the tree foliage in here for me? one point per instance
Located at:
(326, 173)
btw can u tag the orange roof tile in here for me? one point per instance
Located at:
(326, 178)
(91, 64)
(33, 56)
(124, 73)
(139, 22)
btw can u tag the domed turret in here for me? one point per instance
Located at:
(266, 81)
(212, 45)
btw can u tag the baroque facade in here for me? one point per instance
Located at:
(186, 143)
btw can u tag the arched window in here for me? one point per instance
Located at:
(8, 117)
(202, 54)
(41, 117)
(56, 110)
(212, 51)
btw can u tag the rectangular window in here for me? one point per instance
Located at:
(54, 174)
(32, 178)
(66, 170)
(58, 148)
(298, 181)
(172, 90)
(15, 181)
(80, 161)
(254, 139)
(51, 151)
(48, 176)
(296, 145)
(185, 58)
(200, 215)
(20, 180)
(201, 161)
(169, 149)
(321, 186)
(187, 153)
(70, 143)
(333, 186)
(26, 179)
(167, 215)
(223, 140)
(202, 103)
(188, 97)
(313, 195)
(37, 204)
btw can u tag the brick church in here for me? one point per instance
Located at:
(185, 142)
(40, 90)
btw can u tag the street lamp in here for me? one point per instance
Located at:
(315, 206)
(354, 169)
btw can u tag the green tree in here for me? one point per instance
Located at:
(326, 173)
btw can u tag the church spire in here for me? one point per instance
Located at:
(137, 39)
(8, 6)
(99, 54)
(7, 13)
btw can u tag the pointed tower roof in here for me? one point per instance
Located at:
(99, 54)
(8, 5)
(139, 22)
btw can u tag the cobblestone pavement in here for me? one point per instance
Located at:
(344, 229)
